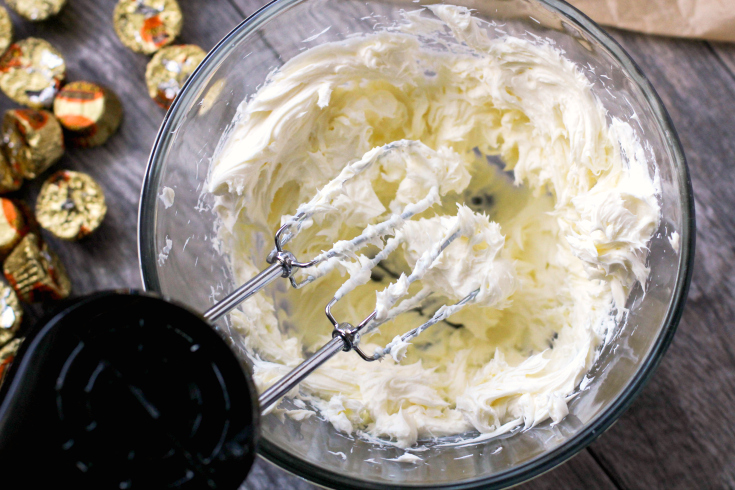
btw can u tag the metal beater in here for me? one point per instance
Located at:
(345, 336)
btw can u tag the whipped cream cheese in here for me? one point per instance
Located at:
(407, 125)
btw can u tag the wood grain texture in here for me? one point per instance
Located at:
(678, 433)
(726, 53)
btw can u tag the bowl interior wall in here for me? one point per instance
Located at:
(196, 274)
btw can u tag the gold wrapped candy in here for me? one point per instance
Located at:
(36, 9)
(11, 314)
(71, 205)
(89, 112)
(12, 227)
(6, 30)
(35, 272)
(168, 71)
(31, 72)
(145, 26)
(7, 355)
(33, 140)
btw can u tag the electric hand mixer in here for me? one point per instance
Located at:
(119, 385)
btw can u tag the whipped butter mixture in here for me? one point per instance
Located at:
(497, 141)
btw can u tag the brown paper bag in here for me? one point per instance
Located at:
(706, 19)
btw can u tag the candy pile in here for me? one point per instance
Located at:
(150, 26)
(70, 205)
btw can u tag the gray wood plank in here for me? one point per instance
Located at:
(266, 476)
(582, 472)
(579, 472)
(726, 53)
(247, 7)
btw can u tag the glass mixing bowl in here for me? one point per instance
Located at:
(179, 260)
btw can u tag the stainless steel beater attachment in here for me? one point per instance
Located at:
(345, 337)
(283, 264)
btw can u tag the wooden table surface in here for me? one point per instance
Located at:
(679, 433)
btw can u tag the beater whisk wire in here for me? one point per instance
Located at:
(346, 337)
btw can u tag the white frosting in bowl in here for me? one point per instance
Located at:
(411, 118)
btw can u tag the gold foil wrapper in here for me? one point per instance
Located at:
(12, 227)
(168, 71)
(36, 10)
(11, 177)
(90, 113)
(35, 271)
(71, 205)
(7, 356)
(6, 30)
(31, 72)
(33, 140)
(11, 314)
(145, 26)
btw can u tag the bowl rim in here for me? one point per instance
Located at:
(535, 466)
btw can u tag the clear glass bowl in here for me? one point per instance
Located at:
(195, 273)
